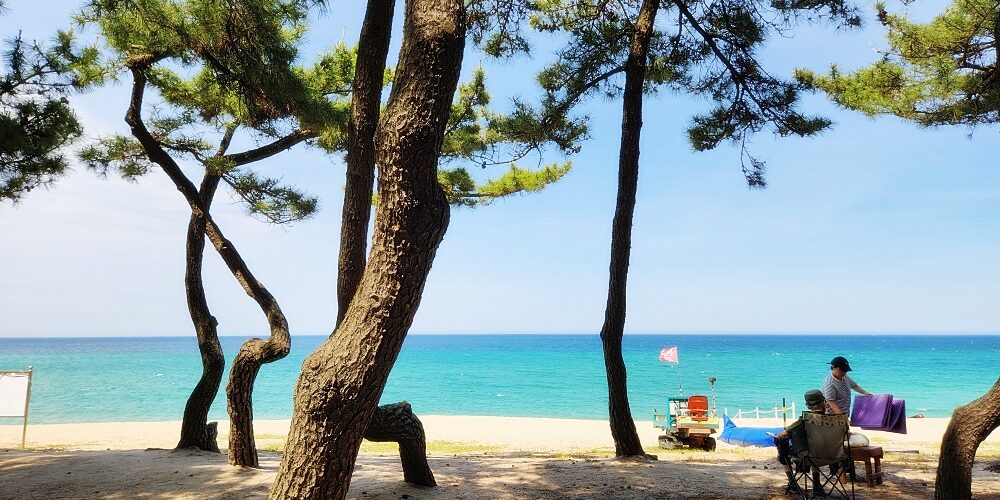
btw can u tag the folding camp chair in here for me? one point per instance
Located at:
(824, 446)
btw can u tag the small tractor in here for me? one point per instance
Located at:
(689, 422)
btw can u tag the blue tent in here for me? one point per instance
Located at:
(747, 436)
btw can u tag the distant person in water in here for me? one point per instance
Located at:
(837, 387)
(787, 439)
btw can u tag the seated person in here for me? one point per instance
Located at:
(784, 439)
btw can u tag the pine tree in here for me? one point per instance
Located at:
(248, 84)
(707, 49)
(943, 72)
(36, 121)
(341, 381)
(939, 73)
(471, 132)
(223, 68)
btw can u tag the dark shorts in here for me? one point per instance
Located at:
(784, 450)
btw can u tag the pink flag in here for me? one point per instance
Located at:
(669, 355)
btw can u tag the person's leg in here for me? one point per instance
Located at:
(785, 459)
(818, 490)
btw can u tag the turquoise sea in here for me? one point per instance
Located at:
(149, 379)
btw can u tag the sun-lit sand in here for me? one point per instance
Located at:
(483, 457)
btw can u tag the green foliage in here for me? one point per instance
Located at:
(495, 26)
(32, 136)
(201, 76)
(940, 73)
(700, 48)
(267, 198)
(519, 180)
(250, 46)
(117, 154)
(458, 186)
(222, 67)
(462, 190)
(486, 138)
(36, 121)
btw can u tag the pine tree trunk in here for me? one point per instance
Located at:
(622, 425)
(239, 393)
(394, 422)
(970, 425)
(195, 430)
(373, 46)
(397, 423)
(342, 380)
(254, 352)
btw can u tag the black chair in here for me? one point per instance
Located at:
(824, 447)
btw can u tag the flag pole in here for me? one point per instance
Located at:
(680, 379)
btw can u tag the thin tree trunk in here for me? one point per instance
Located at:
(342, 380)
(239, 393)
(255, 351)
(970, 425)
(622, 426)
(373, 47)
(195, 430)
(397, 423)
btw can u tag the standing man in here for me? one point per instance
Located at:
(837, 387)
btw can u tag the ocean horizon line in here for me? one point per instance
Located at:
(567, 333)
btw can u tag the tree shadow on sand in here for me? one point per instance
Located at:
(162, 474)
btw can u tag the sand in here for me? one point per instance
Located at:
(500, 457)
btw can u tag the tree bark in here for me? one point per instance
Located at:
(397, 423)
(970, 425)
(195, 430)
(254, 352)
(342, 380)
(239, 393)
(373, 48)
(622, 426)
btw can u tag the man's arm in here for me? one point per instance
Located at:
(856, 387)
(833, 406)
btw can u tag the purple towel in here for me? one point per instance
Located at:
(897, 417)
(879, 412)
(871, 412)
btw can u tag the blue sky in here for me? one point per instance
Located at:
(875, 226)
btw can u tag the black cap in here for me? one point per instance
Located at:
(840, 362)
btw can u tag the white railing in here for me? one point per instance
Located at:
(773, 412)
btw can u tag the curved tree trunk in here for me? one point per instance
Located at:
(622, 426)
(239, 393)
(373, 47)
(970, 425)
(195, 430)
(397, 423)
(255, 351)
(342, 380)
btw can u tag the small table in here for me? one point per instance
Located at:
(865, 454)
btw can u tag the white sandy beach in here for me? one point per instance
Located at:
(510, 457)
